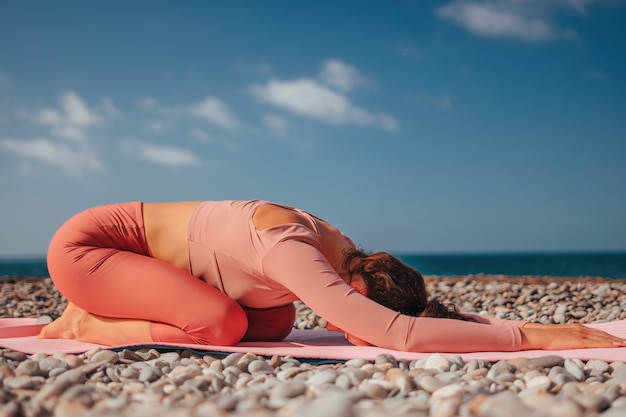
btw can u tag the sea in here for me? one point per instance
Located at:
(588, 264)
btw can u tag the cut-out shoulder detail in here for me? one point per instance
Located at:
(270, 215)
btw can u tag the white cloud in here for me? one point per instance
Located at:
(72, 118)
(76, 111)
(167, 117)
(214, 111)
(211, 109)
(72, 159)
(307, 97)
(169, 156)
(340, 75)
(68, 124)
(323, 99)
(69, 131)
(528, 20)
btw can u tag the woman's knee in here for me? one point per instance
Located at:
(225, 328)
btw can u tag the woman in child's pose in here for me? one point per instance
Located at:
(219, 272)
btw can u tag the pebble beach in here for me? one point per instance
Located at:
(146, 382)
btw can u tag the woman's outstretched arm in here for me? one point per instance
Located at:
(301, 267)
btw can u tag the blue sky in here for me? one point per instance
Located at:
(414, 126)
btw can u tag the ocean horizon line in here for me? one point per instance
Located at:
(607, 264)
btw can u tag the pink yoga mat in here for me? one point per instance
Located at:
(20, 335)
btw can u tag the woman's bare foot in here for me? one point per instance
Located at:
(78, 324)
(67, 326)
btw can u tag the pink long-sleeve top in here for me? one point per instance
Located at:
(284, 263)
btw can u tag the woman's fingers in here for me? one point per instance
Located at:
(595, 336)
(570, 336)
(600, 337)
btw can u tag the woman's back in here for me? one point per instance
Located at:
(166, 226)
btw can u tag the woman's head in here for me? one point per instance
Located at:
(392, 283)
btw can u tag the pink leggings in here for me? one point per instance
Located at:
(99, 260)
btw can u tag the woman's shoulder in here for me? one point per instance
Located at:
(270, 214)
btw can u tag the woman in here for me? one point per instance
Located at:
(219, 272)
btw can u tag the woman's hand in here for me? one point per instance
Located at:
(355, 340)
(350, 338)
(566, 336)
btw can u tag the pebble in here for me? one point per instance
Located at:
(149, 374)
(181, 374)
(71, 377)
(437, 361)
(592, 402)
(540, 382)
(618, 376)
(576, 368)
(339, 405)
(146, 382)
(547, 361)
(289, 389)
(23, 382)
(504, 403)
(429, 383)
(105, 356)
(597, 365)
(374, 390)
(326, 376)
(28, 367)
(356, 362)
(260, 367)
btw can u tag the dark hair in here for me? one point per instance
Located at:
(394, 284)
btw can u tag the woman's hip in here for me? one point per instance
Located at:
(86, 240)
